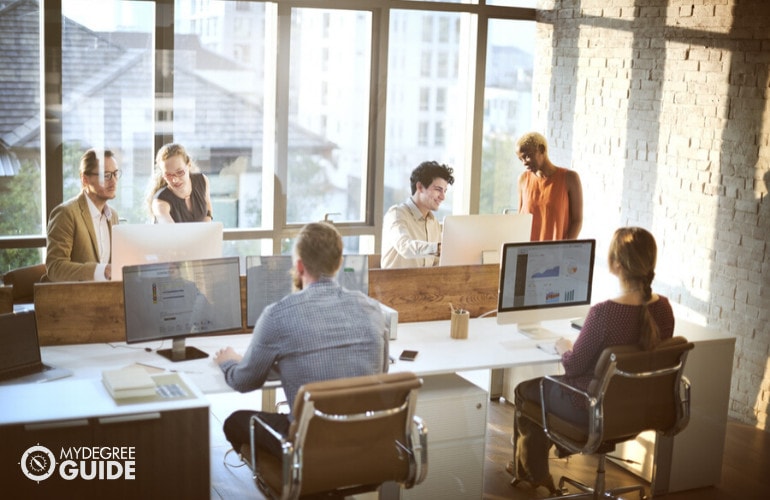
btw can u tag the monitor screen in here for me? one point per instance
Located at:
(268, 280)
(134, 244)
(477, 239)
(175, 300)
(544, 280)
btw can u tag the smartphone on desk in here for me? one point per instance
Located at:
(407, 355)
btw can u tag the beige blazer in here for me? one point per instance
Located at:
(72, 251)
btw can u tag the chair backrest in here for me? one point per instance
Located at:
(356, 431)
(6, 299)
(23, 280)
(640, 390)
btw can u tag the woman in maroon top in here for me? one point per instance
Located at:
(635, 316)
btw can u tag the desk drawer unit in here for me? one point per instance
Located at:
(455, 412)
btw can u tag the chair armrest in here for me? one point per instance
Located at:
(683, 418)
(593, 427)
(287, 449)
(420, 448)
(590, 400)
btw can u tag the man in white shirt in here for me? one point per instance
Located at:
(80, 229)
(411, 234)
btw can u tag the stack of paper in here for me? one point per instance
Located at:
(132, 382)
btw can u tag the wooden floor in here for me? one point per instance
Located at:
(745, 470)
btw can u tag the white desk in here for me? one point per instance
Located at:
(164, 444)
(489, 346)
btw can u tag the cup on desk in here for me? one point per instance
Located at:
(459, 324)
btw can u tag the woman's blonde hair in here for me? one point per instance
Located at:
(157, 180)
(532, 141)
(633, 252)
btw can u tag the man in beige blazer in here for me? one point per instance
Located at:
(80, 229)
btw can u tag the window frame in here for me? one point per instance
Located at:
(51, 101)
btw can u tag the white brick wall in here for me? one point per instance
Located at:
(665, 113)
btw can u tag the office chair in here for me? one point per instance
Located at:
(632, 391)
(23, 280)
(348, 436)
(6, 299)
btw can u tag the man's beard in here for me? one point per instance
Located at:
(296, 280)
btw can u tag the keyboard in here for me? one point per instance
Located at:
(170, 391)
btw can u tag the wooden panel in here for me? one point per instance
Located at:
(88, 312)
(424, 294)
(79, 312)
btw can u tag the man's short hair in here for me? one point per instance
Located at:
(427, 171)
(89, 162)
(531, 141)
(319, 245)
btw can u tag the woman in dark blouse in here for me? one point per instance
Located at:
(177, 194)
(635, 316)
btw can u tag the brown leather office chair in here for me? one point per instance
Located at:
(632, 391)
(23, 280)
(6, 299)
(348, 436)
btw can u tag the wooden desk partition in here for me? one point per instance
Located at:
(424, 294)
(90, 312)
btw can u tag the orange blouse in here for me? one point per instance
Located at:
(546, 198)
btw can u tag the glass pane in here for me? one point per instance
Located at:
(328, 115)
(20, 184)
(219, 105)
(507, 111)
(107, 69)
(514, 3)
(427, 96)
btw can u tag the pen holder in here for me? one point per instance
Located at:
(459, 324)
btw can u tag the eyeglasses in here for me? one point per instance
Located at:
(115, 174)
(176, 175)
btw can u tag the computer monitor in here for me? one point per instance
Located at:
(134, 244)
(268, 280)
(176, 300)
(477, 239)
(544, 280)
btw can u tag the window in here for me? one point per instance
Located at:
(508, 104)
(410, 141)
(277, 106)
(424, 99)
(440, 99)
(326, 169)
(20, 157)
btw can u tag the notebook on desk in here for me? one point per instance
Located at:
(20, 360)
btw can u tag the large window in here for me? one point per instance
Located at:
(295, 113)
(419, 64)
(507, 111)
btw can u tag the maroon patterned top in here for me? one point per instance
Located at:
(609, 323)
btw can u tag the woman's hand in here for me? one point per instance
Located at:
(563, 345)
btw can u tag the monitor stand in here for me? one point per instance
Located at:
(536, 331)
(180, 352)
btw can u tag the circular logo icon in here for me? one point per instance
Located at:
(38, 463)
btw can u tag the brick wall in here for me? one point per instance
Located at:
(662, 107)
